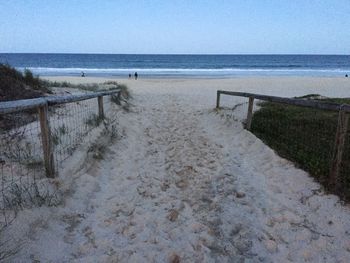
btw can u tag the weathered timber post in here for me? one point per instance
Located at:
(343, 122)
(101, 114)
(46, 141)
(250, 113)
(218, 99)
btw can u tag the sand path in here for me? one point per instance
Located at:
(186, 185)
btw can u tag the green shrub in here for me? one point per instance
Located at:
(14, 85)
(305, 136)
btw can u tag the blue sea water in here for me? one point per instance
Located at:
(211, 66)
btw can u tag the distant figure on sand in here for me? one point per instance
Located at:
(129, 76)
(346, 75)
(135, 75)
(82, 74)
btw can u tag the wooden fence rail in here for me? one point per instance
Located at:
(20, 105)
(343, 120)
(43, 104)
(297, 102)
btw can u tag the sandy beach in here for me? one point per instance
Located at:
(279, 86)
(184, 184)
(116, 146)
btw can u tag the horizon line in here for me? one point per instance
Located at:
(183, 54)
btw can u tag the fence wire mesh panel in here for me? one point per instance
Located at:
(303, 135)
(345, 166)
(21, 143)
(29, 137)
(111, 120)
(234, 108)
(70, 126)
(21, 162)
(309, 132)
(110, 109)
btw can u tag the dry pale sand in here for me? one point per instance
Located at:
(279, 86)
(185, 184)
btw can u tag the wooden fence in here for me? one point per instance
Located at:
(43, 104)
(340, 136)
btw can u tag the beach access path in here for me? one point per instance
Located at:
(184, 183)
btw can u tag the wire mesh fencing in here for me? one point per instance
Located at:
(25, 133)
(70, 126)
(110, 107)
(304, 135)
(345, 167)
(305, 131)
(21, 164)
(234, 108)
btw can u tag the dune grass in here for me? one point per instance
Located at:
(107, 85)
(305, 136)
(16, 85)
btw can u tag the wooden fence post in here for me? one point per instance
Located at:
(250, 113)
(218, 99)
(340, 137)
(101, 114)
(46, 141)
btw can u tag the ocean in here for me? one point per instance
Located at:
(205, 66)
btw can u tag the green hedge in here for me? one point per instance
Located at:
(305, 136)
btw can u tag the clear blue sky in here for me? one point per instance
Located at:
(176, 26)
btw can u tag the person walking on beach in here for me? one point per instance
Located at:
(129, 76)
(135, 75)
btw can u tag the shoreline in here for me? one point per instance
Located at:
(174, 77)
(278, 86)
(147, 75)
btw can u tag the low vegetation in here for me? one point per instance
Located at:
(93, 120)
(305, 136)
(16, 85)
(18, 148)
(107, 85)
(65, 84)
(122, 98)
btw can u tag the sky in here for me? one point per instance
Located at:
(175, 26)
